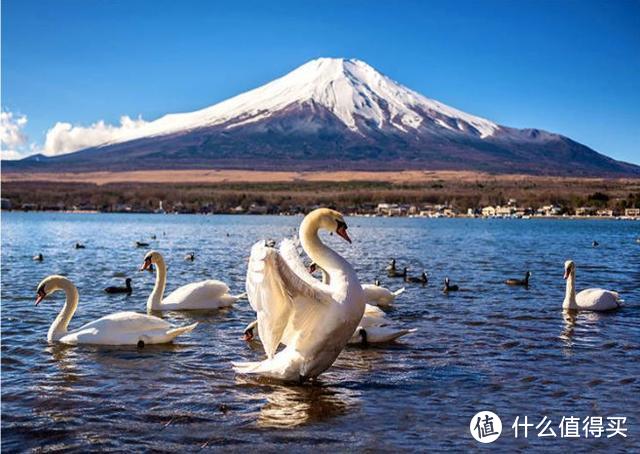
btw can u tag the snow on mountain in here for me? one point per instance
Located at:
(350, 89)
(329, 114)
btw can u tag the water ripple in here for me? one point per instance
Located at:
(488, 346)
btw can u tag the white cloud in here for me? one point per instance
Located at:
(12, 139)
(64, 137)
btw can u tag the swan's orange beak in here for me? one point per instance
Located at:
(146, 265)
(40, 296)
(342, 231)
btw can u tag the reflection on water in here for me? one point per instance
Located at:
(291, 406)
(491, 346)
(64, 357)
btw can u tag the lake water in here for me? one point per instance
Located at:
(487, 347)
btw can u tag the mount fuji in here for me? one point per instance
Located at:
(334, 114)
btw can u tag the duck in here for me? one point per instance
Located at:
(314, 321)
(448, 287)
(126, 289)
(190, 257)
(417, 280)
(79, 246)
(141, 244)
(207, 294)
(595, 243)
(38, 257)
(591, 299)
(121, 328)
(523, 282)
(153, 236)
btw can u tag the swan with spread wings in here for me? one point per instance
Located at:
(313, 320)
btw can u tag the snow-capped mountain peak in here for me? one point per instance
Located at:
(328, 114)
(350, 89)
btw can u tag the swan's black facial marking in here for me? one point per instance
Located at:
(341, 230)
(248, 334)
(40, 294)
(140, 344)
(147, 265)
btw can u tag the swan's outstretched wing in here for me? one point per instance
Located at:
(280, 296)
(289, 253)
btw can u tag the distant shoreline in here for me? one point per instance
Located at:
(448, 194)
(239, 176)
(462, 216)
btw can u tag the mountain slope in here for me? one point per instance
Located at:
(335, 114)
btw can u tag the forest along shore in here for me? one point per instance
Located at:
(442, 193)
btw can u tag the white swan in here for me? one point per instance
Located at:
(208, 294)
(121, 328)
(380, 296)
(591, 299)
(313, 320)
(373, 328)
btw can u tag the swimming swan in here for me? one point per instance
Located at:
(313, 320)
(121, 328)
(591, 299)
(208, 294)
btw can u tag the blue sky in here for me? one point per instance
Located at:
(571, 67)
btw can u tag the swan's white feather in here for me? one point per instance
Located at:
(208, 294)
(380, 296)
(281, 297)
(298, 311)
(290, 253)
(379, 334)
(372, 316)
(378, 328)
(598, 299)
(125, 328)
(294, 272)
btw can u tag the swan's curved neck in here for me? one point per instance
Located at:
(59, 326)
(155, 298)
(325, 276)
(326, 258)
(570, 292)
